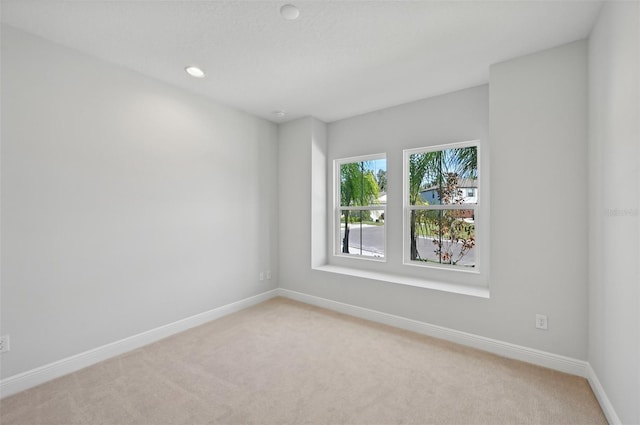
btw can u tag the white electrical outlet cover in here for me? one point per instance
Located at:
(541, 321)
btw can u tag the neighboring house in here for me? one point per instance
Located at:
(468, 187)
(376, 214)
(469, 192)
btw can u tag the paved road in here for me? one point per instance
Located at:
(372, 238)
(372, 243)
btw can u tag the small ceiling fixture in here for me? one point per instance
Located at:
(289, 12)
(194, 71)
(279, 114)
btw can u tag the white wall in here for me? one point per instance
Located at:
(126, 203)
(614, 173)
(298, 192)
(538, 133)
(539, 145)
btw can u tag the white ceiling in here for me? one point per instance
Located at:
(339, 59)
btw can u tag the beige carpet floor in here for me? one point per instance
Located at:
(283, 362)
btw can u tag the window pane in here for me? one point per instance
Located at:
(362, 233)
(363, 183)
(443, 236)
(444, 177)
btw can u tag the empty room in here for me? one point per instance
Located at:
(320, 212)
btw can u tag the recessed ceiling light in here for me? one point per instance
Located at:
(194, 71)
(279, 114)
(289, 12)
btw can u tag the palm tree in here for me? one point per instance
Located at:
(422, 166)
(358, 187)
(466, 160)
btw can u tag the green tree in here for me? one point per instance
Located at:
(381, 178)
(466, 160)
(421, 167)
(358, 187)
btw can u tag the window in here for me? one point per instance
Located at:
(360, 207)
(440, 230)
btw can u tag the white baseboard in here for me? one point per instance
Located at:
(605, 403)
(505, 349)
(40, 375)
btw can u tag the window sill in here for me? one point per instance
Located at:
(361, 258)
(474, 291)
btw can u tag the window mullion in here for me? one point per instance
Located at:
(364, 208)
(443, 207)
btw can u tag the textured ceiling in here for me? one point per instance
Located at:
(339, 59)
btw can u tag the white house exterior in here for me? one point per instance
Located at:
(469, 188)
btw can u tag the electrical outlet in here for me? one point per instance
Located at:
(268, 274)
(261, 276)
(4, 343)
(541, 321)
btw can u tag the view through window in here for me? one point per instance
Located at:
(362, 206)
(441, 205)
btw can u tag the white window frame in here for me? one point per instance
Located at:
(478, 225)
(337, 252)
